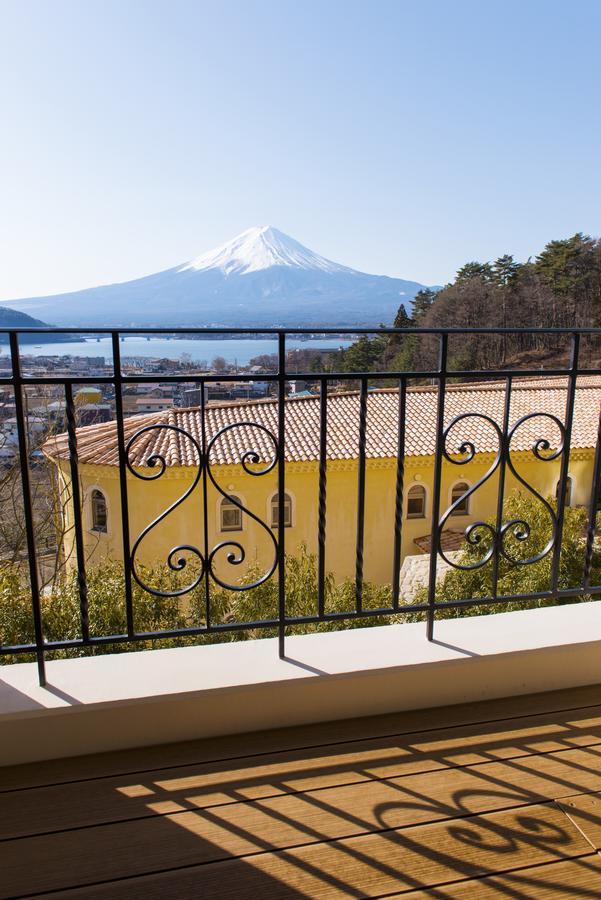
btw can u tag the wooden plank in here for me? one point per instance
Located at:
(186, 834)
(585, 811)
(305, 736)
(552, 881)
(368, 866)
(41, 810)
(70, 805)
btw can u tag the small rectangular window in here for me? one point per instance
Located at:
(415, 508)
(231, 516)
(99, 512)
(287, 511)
(459, 494)
(416, 502)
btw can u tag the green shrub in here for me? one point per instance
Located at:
(106, 606)
(518, 579)
(106, 597)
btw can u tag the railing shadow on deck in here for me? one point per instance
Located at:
(364, 818)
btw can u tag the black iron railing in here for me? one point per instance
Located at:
(206, 576)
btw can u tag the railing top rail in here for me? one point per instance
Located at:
(220, 330)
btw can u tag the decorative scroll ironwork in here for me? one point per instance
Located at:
(518, 529)
(249, 457)
(542, 451)
(176, 561)
(465, 454)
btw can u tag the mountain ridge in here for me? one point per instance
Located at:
(262, 277)
(13, 318)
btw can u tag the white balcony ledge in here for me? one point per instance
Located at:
(134, 699)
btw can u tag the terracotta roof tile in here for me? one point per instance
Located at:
(97, 444)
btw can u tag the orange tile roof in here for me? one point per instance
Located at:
(97, 444)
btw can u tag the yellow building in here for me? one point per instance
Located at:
(173, 441)
(88, 394)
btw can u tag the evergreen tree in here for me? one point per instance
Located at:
(565, 265)
(561, 288)
(474, 269)
(402, 320)
(365, 355)
(422, 302)
(506, 271)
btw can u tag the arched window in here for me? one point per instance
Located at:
(287, 511)
(416, 502)
(462, 508)
(231, 515)
(99, 511)
(568, 500)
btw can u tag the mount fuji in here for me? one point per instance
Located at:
(262, 277)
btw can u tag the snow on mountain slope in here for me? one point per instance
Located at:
(260, 248)
(261, 278)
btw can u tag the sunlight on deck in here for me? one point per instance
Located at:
(495, 799)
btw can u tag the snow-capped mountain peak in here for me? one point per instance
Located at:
(259, 248)
(260, 278)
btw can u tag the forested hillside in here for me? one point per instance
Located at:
(560, 288)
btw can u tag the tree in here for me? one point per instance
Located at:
(474, 269)
(61, 613)
(563, 264)
(50, 496)
(267, 361)
(402, 320)
(506, 271)
(400, 348)
(365, 355)
(561, 289)
(422, 302)
(572, 270)
(219, 364)
(302, 598)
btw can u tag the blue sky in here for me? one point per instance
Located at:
(400, 138)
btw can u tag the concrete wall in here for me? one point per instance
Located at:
(134, 699)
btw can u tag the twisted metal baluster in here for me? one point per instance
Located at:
(592, 512)
(82, 583)
(501, 485)
(360, 540)
(398, 499)
(322, 502)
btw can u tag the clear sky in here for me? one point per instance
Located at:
(401, 138)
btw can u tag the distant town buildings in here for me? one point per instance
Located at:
(94, 404)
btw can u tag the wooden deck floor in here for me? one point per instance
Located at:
(485, 800)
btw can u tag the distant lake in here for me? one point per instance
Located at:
(239, 350)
